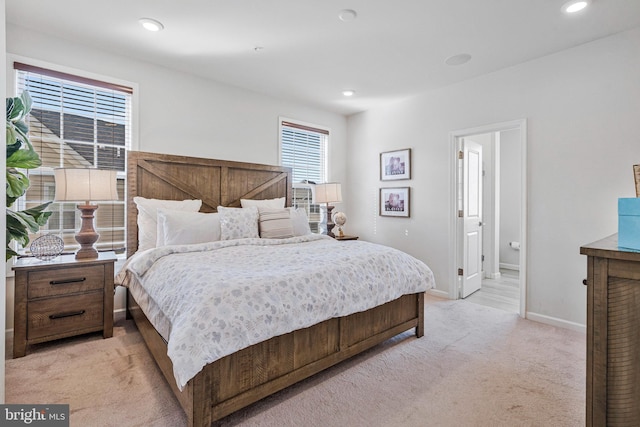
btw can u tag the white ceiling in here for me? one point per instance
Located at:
(393, 49)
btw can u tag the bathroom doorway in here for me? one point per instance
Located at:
(503, 219)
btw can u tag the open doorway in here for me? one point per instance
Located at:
(493, 254)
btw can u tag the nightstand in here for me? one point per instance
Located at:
(61, 298)
(346, 237)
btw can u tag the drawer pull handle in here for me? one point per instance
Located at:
(64, 282)
(67, 314)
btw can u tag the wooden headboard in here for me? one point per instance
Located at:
(215, 182)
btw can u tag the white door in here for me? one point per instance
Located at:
(471, 217)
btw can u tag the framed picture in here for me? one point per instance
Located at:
(394, 202)
(395, 165)
(636, 175)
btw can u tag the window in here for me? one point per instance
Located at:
(303, 148)
(80, 123)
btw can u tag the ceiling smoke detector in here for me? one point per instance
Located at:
(347, 15)
(459, 59)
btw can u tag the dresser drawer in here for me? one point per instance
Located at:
(63, 281)
(63, 315)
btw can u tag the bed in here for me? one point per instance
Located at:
(247, 375)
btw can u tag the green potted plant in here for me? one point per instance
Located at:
(20, 155)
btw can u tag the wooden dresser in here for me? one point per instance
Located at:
(613, 334)
(61, 298)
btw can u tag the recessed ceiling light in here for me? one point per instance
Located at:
(151, 24)
(459, 59)
(348, 92)
(347, 15)
(575, 6)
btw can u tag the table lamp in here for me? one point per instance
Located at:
(86, 185)
(328, 193)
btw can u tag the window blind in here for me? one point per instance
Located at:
(304, 150)
(80, 123)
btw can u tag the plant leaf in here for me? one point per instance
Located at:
(24, 159)
(17, 184)
(19, 222)
(21, 134)
(38, 214)
(12, 135)
(10, 253)
(17, 227)
(27, 102)
(22, 127)
(17, 110)
(11, 106)
(13, 148)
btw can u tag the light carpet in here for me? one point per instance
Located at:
(475, 366)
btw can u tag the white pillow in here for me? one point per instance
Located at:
(237, 223)
(275, 224)
(186, 228)
(267, 203)
(147, 217)
(299, 221)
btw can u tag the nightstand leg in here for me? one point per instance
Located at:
(20, 316)
(19, 348)
(109, 295)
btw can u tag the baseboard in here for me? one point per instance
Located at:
(506, 266)
(554, 321)
(438, 293)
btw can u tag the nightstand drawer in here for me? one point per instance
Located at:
(65, 281)
(63, 315)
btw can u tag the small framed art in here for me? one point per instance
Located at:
(395, 165)
(394, 202)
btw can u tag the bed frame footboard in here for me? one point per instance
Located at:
(256, 372)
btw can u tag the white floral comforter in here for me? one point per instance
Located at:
(224, 296)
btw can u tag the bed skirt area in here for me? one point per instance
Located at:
(244, 377)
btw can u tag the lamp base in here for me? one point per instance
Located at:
(330, 223)
(87, 236)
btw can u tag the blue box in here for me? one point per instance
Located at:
(629, 223)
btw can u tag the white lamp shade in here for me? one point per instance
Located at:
(85, 185)
(328, 193)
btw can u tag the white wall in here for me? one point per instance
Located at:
(581, 107)
(183, 114)
(510, 172)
